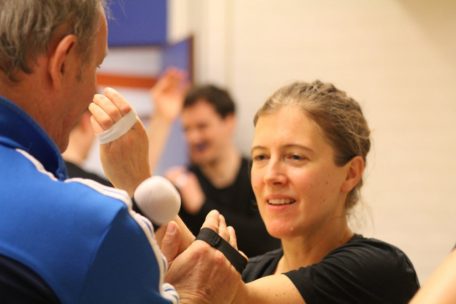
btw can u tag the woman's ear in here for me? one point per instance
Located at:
(60, 58)
(354, 173)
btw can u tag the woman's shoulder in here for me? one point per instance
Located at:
(374, 261)
(372, 270)
(371, 249)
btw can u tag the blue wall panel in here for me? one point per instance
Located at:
(137, 22)
(179, 55)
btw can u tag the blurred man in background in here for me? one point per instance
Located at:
(218, 174)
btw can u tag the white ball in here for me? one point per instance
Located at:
(158, 199)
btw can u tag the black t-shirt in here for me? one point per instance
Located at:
(76, 171)
(20, 285)
(364, 271)
(237, 204)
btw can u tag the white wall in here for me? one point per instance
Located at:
(396, 57)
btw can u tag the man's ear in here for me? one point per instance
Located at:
(354, 174)
(230, 121)
(60, 59)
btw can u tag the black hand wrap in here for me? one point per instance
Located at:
(209, 236)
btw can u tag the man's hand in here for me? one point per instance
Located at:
(192, 195)
(167, 98)
(202, 274)
(125, 160)
(168, 94)
(173, 238)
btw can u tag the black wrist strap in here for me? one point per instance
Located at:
(212, 238)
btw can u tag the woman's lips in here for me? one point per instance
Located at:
(280, 201)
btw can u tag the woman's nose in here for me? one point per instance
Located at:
(275, 173)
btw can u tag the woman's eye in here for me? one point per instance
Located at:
(259, 157)
(295, 157)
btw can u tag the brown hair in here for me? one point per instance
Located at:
(217, 97)
(338, 115)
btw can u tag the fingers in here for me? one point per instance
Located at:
(102, 119)
(119, 101)
(95, 125)
(171, 241)
(216, 222)
(177, 78)
(173, 173)
(186, 235)
(232, 237)
(171, 80)
(202, 268)
(162, 82)
(108, 108)
(178, 176)
(222, 230)
(212, 220)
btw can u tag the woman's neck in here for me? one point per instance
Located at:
(309, 249)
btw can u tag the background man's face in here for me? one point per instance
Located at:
(207, 134)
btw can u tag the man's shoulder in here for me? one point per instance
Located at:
(29, 187)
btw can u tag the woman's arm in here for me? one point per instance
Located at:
(273, 289)
(441, 286)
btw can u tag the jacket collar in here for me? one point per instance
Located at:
(19, 130)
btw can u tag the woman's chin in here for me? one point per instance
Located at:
(280, 230)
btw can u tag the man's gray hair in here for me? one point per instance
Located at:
(27, 28)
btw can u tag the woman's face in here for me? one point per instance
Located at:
(296, 182)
